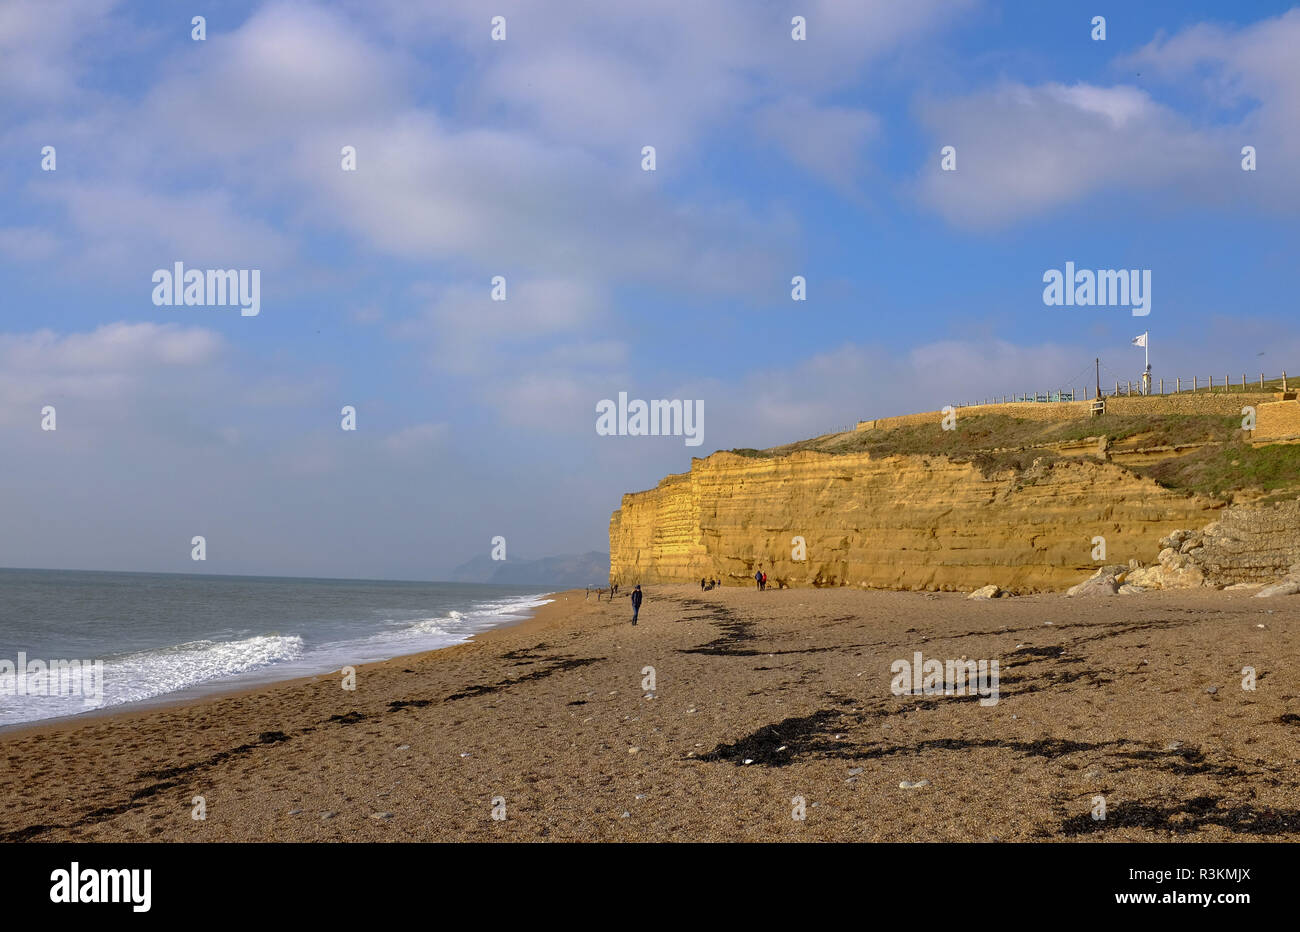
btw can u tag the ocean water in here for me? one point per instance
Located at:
(159, 635)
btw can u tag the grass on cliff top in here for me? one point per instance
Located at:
(1230, 466)
(986, 432)
(1234, 467)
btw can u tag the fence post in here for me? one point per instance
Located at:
(1261, 381)
(1196, 382)
(1283, 380)
(1162, 386)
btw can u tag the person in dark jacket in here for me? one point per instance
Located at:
(636, 602)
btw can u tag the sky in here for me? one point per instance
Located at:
(523, 158)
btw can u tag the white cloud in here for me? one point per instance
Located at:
(467, 331)
(105, 369)
(556, 401)
(828, 141)
(506, 202)
(123, 347)
(616, 76)
(130, 230)
(582, 86)
(43, 44)
(1023, 150)
(289, 69)
(28, 244)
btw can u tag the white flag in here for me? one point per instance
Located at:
(1140, 340)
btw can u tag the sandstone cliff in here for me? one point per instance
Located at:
(901, 521)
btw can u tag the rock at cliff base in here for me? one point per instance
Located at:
(1285, 587)
(1146, 577)
(985, 592)
(1188, 576)
(1106, 581)
(1195, 542)
(1175, 570)
(1129, 589)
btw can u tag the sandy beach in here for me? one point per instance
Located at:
(758, 698)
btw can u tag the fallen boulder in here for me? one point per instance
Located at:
(1106, 581)
(1285, 587)
(1173, 570)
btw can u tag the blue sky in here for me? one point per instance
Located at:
(522, 158)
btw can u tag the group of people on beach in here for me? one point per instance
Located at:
(613, 591)
(760, 579)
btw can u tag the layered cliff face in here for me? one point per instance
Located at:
(901, 522)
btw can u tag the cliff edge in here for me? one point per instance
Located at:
(1023, 505)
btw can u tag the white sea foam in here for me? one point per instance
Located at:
(155, 672)
(148, 674)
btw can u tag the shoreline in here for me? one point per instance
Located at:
(210, 690)
(757, 698)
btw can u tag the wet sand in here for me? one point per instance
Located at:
(1112, 699)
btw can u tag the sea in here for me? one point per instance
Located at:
(163, 636)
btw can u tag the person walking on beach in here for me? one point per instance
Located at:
(636, 602)
(758, 579)
(763, 584)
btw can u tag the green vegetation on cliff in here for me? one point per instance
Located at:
(1221, 471)
(1194, 453)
